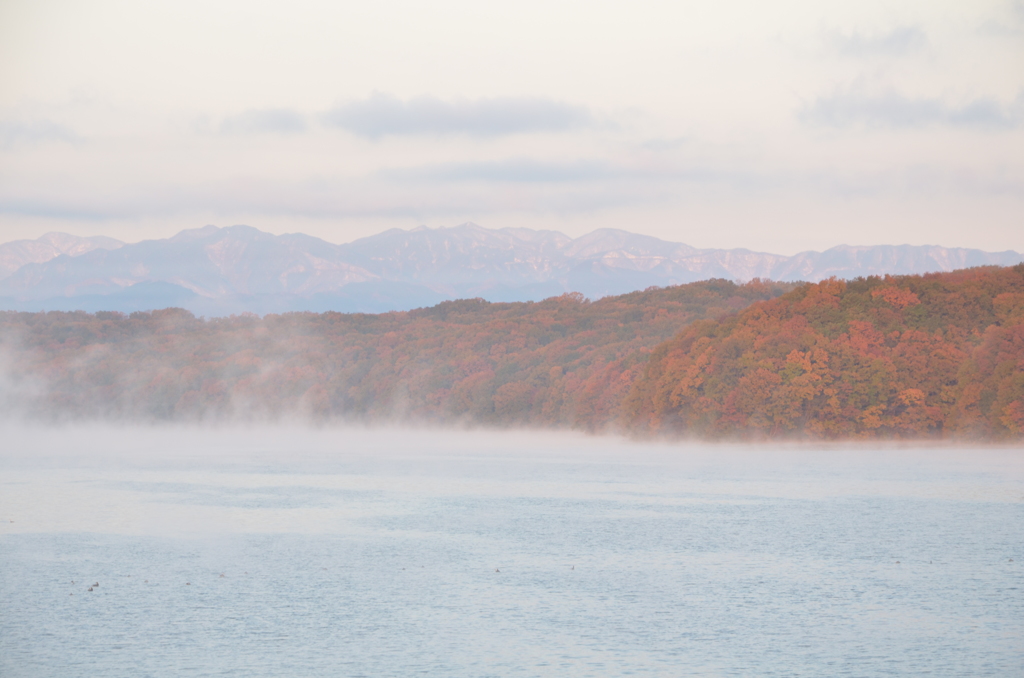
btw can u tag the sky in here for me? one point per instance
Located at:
(777, 126)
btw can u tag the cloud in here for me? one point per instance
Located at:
(272, 120)
(18, 133)
(384, 114)
(1010, 25)
(897, 111)
(897, 42)
(661, 144)
(523, 170)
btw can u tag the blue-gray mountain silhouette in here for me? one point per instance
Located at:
(218, 271)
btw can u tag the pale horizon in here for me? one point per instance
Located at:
(470, 223)
(779, 128)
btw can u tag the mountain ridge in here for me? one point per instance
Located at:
(17, 253)
(219, 271)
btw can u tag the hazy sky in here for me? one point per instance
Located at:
(778, 126)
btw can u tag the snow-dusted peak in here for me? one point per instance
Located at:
(17, 253)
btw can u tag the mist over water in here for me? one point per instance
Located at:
(372, 552)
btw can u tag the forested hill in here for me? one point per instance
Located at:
(909, 356)
(564, 361)
(939, 355)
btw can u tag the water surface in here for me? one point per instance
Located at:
(353, 552)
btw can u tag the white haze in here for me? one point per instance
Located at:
(781, 126)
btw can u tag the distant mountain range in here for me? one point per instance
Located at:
(14, 255)
(219, 271)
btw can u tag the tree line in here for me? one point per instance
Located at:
(563, 362)
(938, 355)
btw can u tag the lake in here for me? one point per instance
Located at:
(289, 551)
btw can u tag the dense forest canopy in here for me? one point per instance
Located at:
(908, 356)
(938, 355)
(564, 361)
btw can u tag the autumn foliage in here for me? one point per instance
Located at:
(938, 355)
(562, 362)
(933, 356)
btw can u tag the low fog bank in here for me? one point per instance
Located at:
(193, 480)
(937, 357)
(563, 363)
(294, 444)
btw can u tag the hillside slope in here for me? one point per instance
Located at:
(560, 362)
(939, 355)
(933, 356)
